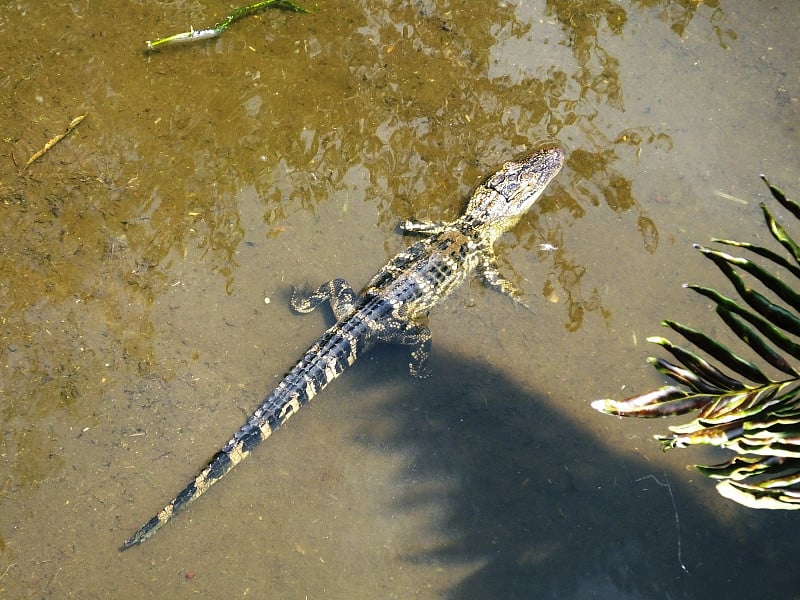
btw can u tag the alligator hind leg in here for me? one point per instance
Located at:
(338, 292)
(408, 334)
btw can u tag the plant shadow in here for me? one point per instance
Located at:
(545, 510)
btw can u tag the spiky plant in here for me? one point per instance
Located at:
(741, 408)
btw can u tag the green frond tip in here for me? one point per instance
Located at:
(780, 234)
(758, 422)
(789, 205)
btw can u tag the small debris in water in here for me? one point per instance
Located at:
(726, 196)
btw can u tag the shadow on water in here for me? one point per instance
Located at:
(545, 510)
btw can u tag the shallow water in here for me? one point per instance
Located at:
(146, 262)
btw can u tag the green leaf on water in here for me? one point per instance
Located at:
(759, 422)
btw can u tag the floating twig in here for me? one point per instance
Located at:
(194, 35)
(55, 139)
(674, 508)
(8, 568)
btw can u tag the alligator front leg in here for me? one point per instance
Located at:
(338, 292)
(417, 336)
(491, 276)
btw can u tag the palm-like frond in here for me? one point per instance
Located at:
(741, 408)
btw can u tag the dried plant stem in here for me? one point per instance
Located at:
(55, 139)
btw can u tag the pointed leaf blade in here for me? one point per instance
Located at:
(759, 346)
(780, 234)
(768, 279)
(772, 333)
(773, 312)
(765, 252)
(720, 352)
(698, 365)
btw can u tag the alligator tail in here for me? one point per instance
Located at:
(323, 362)
(245, 440)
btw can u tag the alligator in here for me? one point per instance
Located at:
(392, 308)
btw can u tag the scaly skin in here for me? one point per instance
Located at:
(393, 308)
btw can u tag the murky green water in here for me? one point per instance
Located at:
(137, 253)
